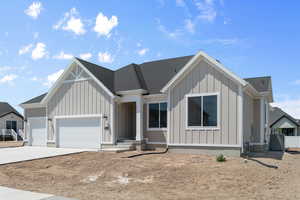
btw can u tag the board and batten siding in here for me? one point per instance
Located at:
(248, 124)
(79, 98)
(204, 78)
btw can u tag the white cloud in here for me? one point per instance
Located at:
(290, 105)
(171, 34)
(71, 22)
(25, 49)
(225, 42)
(34, 78)
(39, 51)
(63, 56)
(36, 35)
(53, 77)
(142, 52)
(104, 25)
(34, 10)
(105, 57)
(207, 10)
(189, 26)
(4, 69)
(75, 25)
(8, 79)
(85, 56)
(296, 82)
(180, 3)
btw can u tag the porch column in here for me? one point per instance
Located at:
(262, 120)
(139, 119)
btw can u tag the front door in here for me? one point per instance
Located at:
(11, 125)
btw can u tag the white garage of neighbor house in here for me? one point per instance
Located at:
(190, 104)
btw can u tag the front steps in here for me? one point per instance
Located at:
(121, 146)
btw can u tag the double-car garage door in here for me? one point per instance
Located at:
(78, 132)
(71, 132)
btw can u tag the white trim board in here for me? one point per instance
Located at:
(205, 145)
(57, 84)
(187, 127)
(157, 129)
(197, 58)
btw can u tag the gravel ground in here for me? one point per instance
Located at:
(96, 175)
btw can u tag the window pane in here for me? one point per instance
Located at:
(210, 111)
(154, 115)
(194, 111)
(163, 115)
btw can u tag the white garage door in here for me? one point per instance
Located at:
(79, 132)
(38, 133)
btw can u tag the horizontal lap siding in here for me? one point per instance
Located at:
(79, 98)
(205, 79)
(11, 117)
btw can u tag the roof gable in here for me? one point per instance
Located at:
(276, 114)
(5, 109)
(213, 62)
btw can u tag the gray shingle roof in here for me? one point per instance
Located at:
(151, 76)
(261, 84)
(37, 99)
(5, 109)
(276, 114)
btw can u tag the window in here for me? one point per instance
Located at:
(157, 113)
(202, 111)
(11, 125)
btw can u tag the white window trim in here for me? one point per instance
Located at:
(211, 128)
(156, 129)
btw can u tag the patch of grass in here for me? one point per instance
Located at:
(220, 158)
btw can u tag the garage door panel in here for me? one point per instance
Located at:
(38, 131)
(79, 132)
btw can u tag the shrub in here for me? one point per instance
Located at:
(221, 158)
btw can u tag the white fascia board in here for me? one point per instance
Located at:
(132, 92)
(32, 105)
(60, 80)
(95, 79)
(203, 56)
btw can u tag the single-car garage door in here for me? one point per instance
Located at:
(78, 132)
(38, 133)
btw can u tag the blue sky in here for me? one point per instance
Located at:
(251, 38)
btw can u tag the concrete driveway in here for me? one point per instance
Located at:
(14, 194)
(19, 154)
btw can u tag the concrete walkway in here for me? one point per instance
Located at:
(19, 154)
(14, 194)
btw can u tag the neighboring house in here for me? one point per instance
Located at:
(10, 119)
(281, 122)
(190, 104)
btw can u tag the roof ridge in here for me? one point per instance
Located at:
(259, 77)
(166, 59)
(140, 76)
(80, 60)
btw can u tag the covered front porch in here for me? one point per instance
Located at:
(129, 119)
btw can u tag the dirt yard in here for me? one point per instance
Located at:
(92, 176)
